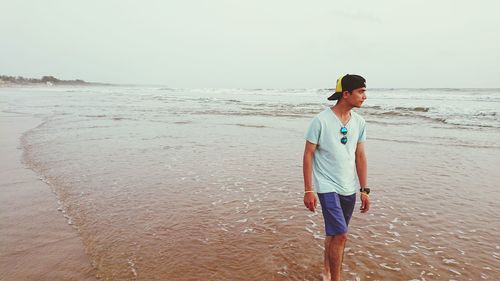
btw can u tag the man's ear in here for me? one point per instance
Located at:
(345, 93)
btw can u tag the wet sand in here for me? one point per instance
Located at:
(165, 185)
(36, 241)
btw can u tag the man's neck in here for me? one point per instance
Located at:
(342, 110)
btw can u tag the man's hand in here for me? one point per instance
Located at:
(365, 203)
(310, 201)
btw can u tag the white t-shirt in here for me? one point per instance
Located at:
(334, 167)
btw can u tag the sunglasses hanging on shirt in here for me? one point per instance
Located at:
(343, 131)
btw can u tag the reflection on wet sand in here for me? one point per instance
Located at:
(163, 189)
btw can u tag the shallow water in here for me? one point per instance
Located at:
(171, 184)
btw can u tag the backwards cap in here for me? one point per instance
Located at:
(348, 82)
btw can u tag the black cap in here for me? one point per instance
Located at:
(348, 82)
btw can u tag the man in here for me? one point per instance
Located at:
(334, 154)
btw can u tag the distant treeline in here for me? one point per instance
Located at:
(44, 80)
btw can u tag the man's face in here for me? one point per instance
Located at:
(357, 97)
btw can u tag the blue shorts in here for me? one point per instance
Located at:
(337, 211)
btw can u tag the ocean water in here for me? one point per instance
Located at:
(191, 184)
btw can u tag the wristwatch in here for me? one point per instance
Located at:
(364, 190)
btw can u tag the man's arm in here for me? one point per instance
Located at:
(310, 200)
(361, 169)
(361, 164)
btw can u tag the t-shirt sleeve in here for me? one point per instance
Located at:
(314, 131)
(362, 132)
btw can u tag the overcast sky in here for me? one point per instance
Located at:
(254, 43)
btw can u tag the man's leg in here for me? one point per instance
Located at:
(326, 267)
(336, 255)
(336, 213)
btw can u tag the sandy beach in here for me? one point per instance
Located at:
(36, 241)
(206, 184)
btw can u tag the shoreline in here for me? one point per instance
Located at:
(59, 85)
(140, 186)
(36, 241)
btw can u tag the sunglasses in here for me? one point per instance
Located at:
(343, 131)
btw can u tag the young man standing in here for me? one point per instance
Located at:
(334, 154)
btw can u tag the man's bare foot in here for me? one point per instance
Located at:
(325, 277)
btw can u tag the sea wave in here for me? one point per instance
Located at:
(449, 116)
(427, 142)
